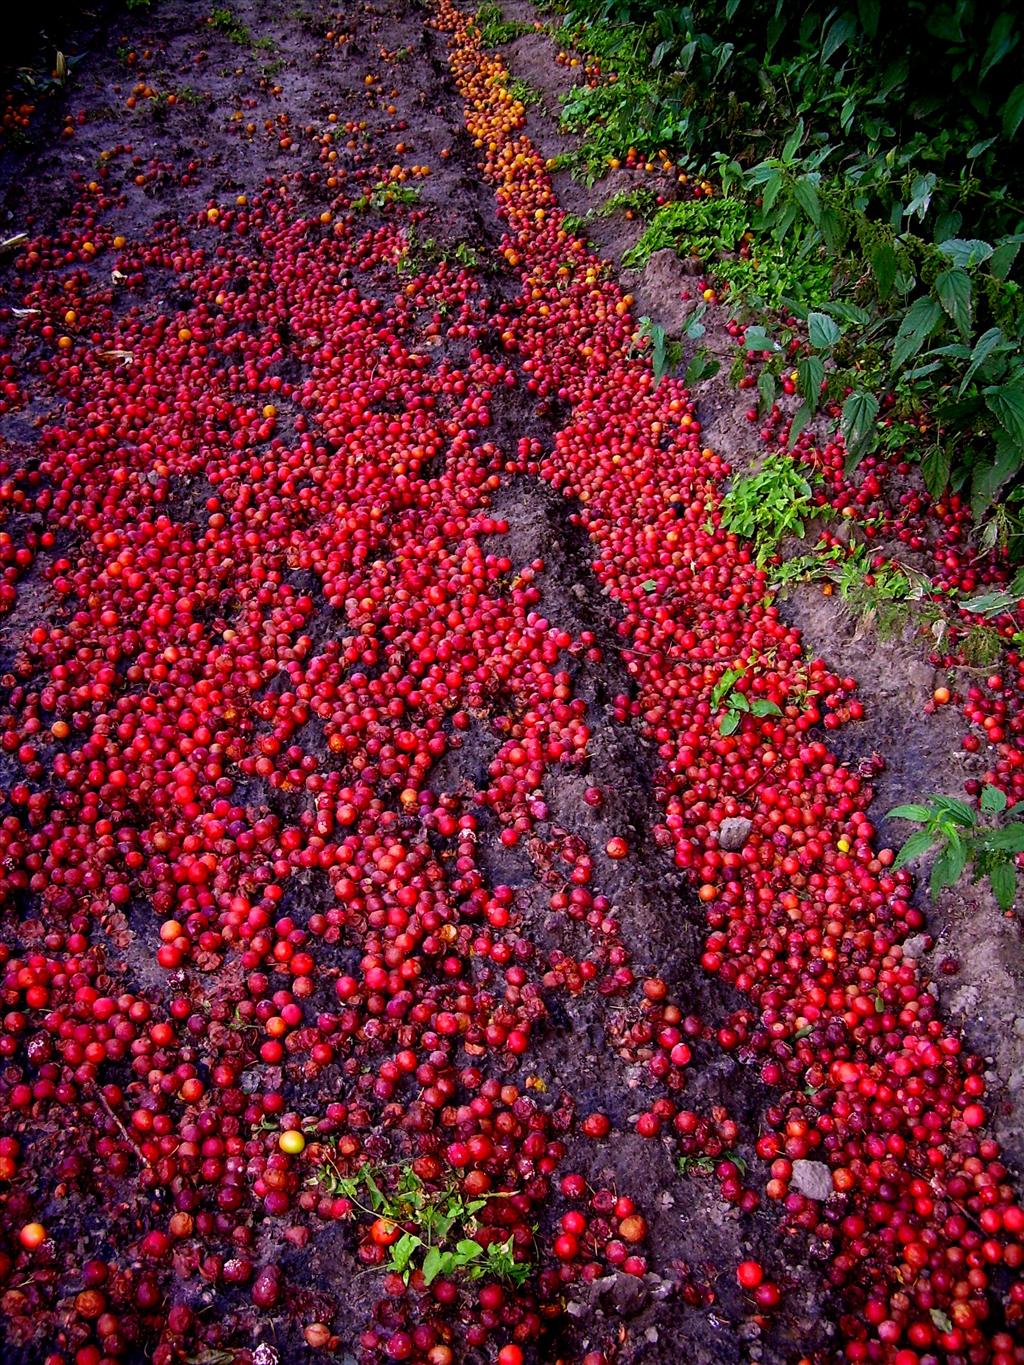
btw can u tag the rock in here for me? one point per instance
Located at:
(916, 946)
(626, 1295)
(733, 833)
(813, 1179)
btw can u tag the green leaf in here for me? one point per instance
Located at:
(468, 1248)
(884, 264)
(1007, 249)
(992, 800)
(802, 418)
(1010, 839)
(1013, 111)
(649, 585)
(793, 142)
(988, 479)
(403, 1250)
(953, 289)
(847, 312)
(766, 390)
(725, 684)
(989, 603)
(823, 331)
(949, 866)
(805, 192)
(966, 251)
(919, 321)
(986, 345)
(431, 1265)
(761, 706)
(960, 811)
(770, 193)
(935, 469)
(869, 10)
(839, 32)
(810, 375)
(1006, 402)
(857, 423)
(729, 723)
(940, 1320)
(757, 339)
(916, 813)
(917, 844)
(921, 195)
(1002, 877)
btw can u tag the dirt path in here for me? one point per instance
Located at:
(362, 784)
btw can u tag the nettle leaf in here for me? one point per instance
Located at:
(884, 265)
(988, 479)
(1006, 402)
(948, 868)
(823, 331)
(1007, 840)
(921, 195)
(766, 390)
(1002, 877)
(729, 723)
(919, 321)
(857, 423)
(847, 312)
(1007, 249)
(917, 844)
(1013, 111)
(810, 375)
(959, 810)
(966, 251)
(914, 812)
(1002, 40)
(953, 289)
(757, 339)
(993, 801)
(802, 418)
(935, 469)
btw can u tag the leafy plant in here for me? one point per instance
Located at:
(768, 505)
(666, 353)
(495, 29)
(467, 255)
(641, 201)
(956, 830)
(702, 366)
(383, 193)
(736, 704)
(528, 95)
(437, 1225)
(852, 197)
(226, 22)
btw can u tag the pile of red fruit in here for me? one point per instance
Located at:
(262, 932)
